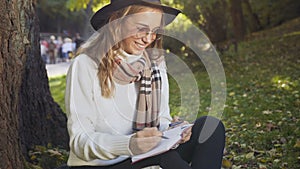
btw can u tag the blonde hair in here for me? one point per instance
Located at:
(101, 46)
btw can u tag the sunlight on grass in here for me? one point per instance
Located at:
(283, 83)
(262, 109)
(57, 87)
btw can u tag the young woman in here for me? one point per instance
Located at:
(117, 95)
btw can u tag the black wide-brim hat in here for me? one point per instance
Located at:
(101, 17)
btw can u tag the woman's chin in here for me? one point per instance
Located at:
(138, 52)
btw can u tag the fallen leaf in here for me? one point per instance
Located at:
(250, 155)
(297, 145)
(226, 163)
(54, 152)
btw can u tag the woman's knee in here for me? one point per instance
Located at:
(209, 120)
(207, 126)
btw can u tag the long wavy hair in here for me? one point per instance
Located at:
(101, 46)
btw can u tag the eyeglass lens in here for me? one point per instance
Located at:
(154, 34)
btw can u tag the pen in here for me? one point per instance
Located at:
(164, 137)
(175, 123)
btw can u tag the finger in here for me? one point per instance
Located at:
(153, 131)
(149, 132)
(183, 123)
(186, 135)
(186, 122)
(148, 143)
(176, 118)
(186, 131)
(185, 138)
(189, 130)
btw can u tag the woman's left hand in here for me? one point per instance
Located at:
(186, 135)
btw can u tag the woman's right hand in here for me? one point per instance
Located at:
(144, 140)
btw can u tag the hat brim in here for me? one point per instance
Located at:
(99, 19)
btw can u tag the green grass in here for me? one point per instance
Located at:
(262, 114)
(262, 109)
(57, 87)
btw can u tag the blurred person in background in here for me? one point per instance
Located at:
(44, 51)
(52, 50)
(67, 49)
(78, 40)
(59, 44)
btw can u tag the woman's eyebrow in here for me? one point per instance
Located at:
(145, 25)
(141, 24)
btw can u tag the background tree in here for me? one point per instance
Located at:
(28, 114)
(56, 18)
(210, 16)
(238, 23)
(87, 8)
(67, 17)
(217, 18)
(253, 23)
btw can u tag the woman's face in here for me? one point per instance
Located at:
(138, 30)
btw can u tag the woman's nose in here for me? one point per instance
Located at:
(148, 38)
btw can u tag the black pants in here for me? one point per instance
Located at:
(195, 154)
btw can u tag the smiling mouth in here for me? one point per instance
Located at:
(140, 46)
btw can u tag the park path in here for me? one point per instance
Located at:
(57, 69)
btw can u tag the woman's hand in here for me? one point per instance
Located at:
(186, 135)
(145, 140)
(177, 121)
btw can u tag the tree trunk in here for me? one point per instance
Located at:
(216, 18)
(12, 60)
(88, 12)
(254, 24)
(42, 120)
(237, 19)
(28, 114)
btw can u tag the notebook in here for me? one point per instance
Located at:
(173, 135)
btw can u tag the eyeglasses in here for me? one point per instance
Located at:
(155, 34)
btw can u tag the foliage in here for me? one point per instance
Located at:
(46, 157)
(213, 16)
(54, 17)
(272, 13)
(210, 16)
(182, 24)
(76, 5)
(53, 8)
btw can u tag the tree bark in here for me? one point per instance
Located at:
(254, 24)
(88, 12)
(237, 19)
(28, 114)
(12, 60)
(41, 119)
(216, 21)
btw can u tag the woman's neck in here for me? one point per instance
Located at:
(128, 57)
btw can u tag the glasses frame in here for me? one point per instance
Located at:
(155, 34)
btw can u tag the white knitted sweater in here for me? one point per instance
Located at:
(100, 128)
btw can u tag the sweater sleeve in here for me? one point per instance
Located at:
(85, 142)
(165, 117)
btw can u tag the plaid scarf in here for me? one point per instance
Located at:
(149, 99)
